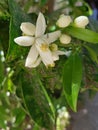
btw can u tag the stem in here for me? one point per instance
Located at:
(50, 103)
(50, 5)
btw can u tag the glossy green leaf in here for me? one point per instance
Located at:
(72, 76)
(93, 54)
(36, 100)
(17, 17)
(20, 116)
(82, 34)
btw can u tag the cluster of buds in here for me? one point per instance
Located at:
(65, 20)
(62, 118)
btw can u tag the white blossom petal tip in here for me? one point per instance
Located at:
(81, 21)
(32, 57)
(28, 28)
(57, 53)
(40, 25)
(64, 21)
(24, 40)
(33, 65)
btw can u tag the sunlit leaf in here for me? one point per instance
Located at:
(72, 76)
(82, 34)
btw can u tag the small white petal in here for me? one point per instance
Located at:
(81, 21)
(65, 39)
(28, 28)
(51, 37)
(64, 21)
(24, 40)
(32, 57)
(36, 63)
(56, 54)
(68, 53)
(60, 52)
(40, 25)
(46, 55)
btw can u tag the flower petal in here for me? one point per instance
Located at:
(46, 55)
(24, 40)
(28, 28)
(60, 52)
(56, 54)
(36, 63)
(51, 37)
(32, 57)
(40, 25)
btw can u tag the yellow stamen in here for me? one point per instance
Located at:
(44, 47)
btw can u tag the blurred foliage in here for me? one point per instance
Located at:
(29, 94)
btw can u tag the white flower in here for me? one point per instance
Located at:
(81, 21)
(40, 50)
(64, 21)
(65, 39)
(56, 52)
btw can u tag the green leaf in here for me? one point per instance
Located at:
(93, 54)
(43, 2)
(2, 116)
(72, 76)
(17, 17)
(20, 116)
(36, 127)
(36, 100)
(82, 34)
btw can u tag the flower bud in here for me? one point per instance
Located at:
(53, 47)
(64, 21)
(65, 39)
(81, 21)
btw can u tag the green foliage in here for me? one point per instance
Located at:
(92, 53)
(4, 10)
(36, 93)
(43, 2)
(37, 100)
(17, 17)
(83, 34)
(72, 79)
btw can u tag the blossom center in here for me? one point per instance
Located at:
(44, 47)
